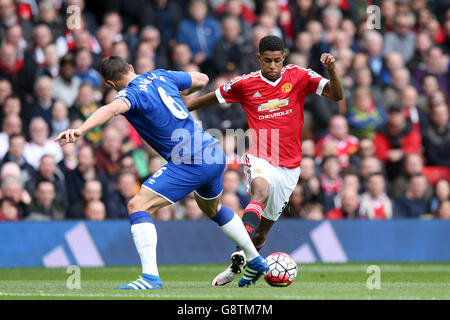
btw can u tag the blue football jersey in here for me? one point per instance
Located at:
(159, 115)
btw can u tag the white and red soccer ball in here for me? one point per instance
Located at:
(283, 269)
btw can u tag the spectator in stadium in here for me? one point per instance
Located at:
(242, 11)
(200, 31)
(365, 117)
(413, 164)
(231, 200)
(397, 138)
(249, 60)
(400, 80)
(349, 206)
(44, 207)
(393, 61)
(84, 70)
(375, 204)
(191, 209)
(366, 149)
(441, 194)
(373, 44)
(9, 17)
(296, 205)
(222, 116)
(11, 188)
(95, 210)
(430, 86)
(6, 90)
(109, 152)
(14, 70)
(42, 102)
(412, 203)
(8, 210)
(436, 138)
(84, 171)
(165, 17)
(15, 155)
(270, 23)
(350, 179)
(402, 39)
(303, 11)
(83, 40)
(49, 171)
(84, 106)
(228, 50)
(50, 68)
(70, 161)
(443, 211)
(363, 78)
(308, 147)
(42, 37)
(330, 181)
(12, 105)
(127, 163)
(12, 124)
(105, 38)
(423, 44)
(314, 211)
(116, 203)
(40, 143)
(409, 103)
(166, 213)
(120, 49)
(345, 144)
(435, 64)
(231, 183)
(308, 179)
(66, 85)
(181, 55)
(59, 118)
(152, 36)
(49, 16)
(92, 191)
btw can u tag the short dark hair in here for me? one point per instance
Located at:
(271, 43)
(113, 68)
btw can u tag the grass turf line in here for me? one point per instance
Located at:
(192, 282)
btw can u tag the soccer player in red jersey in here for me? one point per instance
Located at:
(273, 99)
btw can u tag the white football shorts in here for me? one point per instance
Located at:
(282, 183)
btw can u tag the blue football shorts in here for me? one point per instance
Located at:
(175, 181)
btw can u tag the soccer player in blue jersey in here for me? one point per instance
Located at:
(152, 104)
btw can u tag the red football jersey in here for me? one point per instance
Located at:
(274, 111)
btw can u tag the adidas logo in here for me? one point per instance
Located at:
(257, 95)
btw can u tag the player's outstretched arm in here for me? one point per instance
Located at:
(207, 100)
(98, 118)
(199, 81)
(333, 89)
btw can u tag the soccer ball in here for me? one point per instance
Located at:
(283, 269)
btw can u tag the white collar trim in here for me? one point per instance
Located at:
(272, 83)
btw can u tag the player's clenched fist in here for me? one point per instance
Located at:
(328, 61)
(68, 136)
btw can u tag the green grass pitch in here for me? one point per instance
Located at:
(192, 282)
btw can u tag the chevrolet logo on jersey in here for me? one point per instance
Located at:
(273, 105)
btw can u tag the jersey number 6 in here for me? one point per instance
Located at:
(173, 106)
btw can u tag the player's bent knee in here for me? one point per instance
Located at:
(260, 190)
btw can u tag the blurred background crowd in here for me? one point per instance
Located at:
(383, 154)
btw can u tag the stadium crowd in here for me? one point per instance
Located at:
(382, 154)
